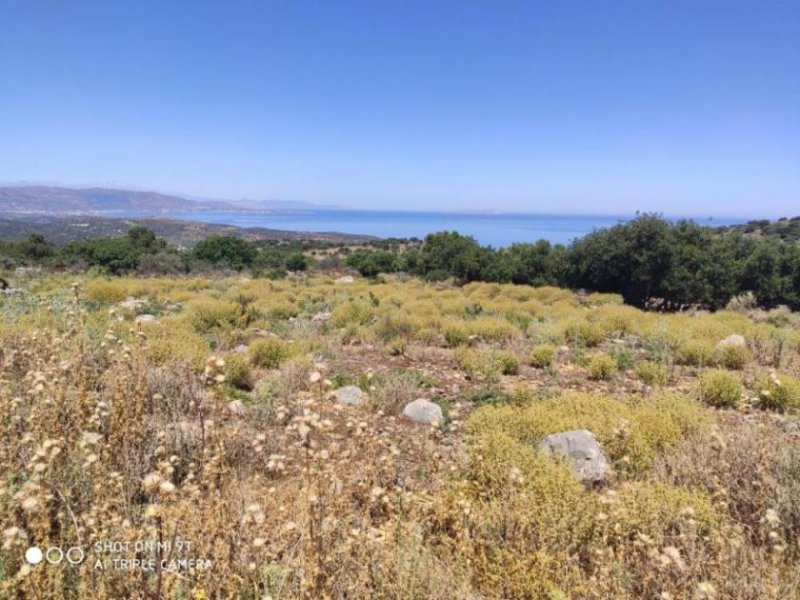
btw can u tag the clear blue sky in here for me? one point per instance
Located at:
(686, 107)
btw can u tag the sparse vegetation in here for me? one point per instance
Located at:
(215, 422)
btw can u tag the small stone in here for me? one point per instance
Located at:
(345, 279)
(350, 395)
(145, 319)
(321, 317)
(236, 407)
(423, 410)
(240, 349)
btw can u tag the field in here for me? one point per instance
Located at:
(201, 413)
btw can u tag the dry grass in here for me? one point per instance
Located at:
(117, 431)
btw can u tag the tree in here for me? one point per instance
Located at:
(226, 250)
(371, 263)
(632, 259)
(450, 254)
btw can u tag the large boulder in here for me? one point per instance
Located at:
(349, 395)
(423, 410)
(732, 340)
(582, 451)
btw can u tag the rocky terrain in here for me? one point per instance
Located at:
(334, 437)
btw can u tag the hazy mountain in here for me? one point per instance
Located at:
(62, 200)
(61, 229)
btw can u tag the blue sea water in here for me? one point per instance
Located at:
(497, 230)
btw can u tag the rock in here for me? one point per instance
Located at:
(345, 279)
(732, 340)
(321, 317)
(145, 319)
(423, 410)
(132, 304)
(350, 395)
(236, 407)
(240, 349)
(582, 451)
(563, 349)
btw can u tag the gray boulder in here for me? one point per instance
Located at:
(423, 410)
(582, 451)
(240, 349)
(350, 395)
(145, 319)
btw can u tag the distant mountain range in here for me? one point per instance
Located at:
(61, 229)
(53, 200)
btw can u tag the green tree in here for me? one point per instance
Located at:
(226, 250)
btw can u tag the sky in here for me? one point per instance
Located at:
(685, 107)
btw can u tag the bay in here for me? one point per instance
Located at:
(494, 229)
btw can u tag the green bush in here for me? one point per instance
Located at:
(777, 391)
(633, 434)
(696, 353)
(455, 333)
(508, 363)
(207, 315)
(584, 333)
(732, 357)
(719, 388)
(355, 312)
(237, 370)
(651, 373)
(396, 346)
(602, 367)
(542, 356)
(268, 353)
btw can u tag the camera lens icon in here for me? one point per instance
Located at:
(34, 555)
(55, 555)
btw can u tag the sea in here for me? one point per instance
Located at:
(489, 229)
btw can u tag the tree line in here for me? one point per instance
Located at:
(647, 260)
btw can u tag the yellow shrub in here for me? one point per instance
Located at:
(599, 298)
(602, 367)
(207, 315)
(175, 342)
(269, 353)
(696, 353)
(281, 311)
(732, 357)
(583, 332)
(237, 370)
(542, 356)
(354, 312)
(492, 329)
(719, 388)
(659, 511)
(651, 373)
(455, 333)
(105, 291)
(778, 391)
(637, 431)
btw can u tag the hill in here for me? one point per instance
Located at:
(62, 200)
(63, 229)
